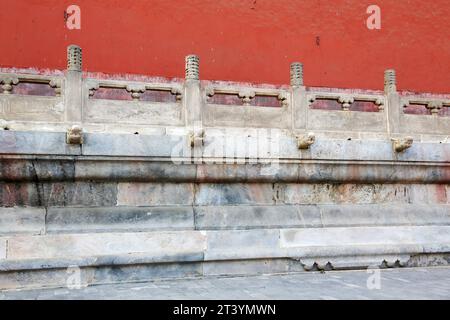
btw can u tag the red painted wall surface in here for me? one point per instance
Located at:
(239, 40)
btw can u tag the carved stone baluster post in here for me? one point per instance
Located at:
(299, 108)
(394, 105)
(73, 87)
(434, 107)
(193, 102)
(8, 82)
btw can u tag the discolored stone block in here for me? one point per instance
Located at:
(154, 194)
(80, 194)
(21, 194)
(251, 267)
(23, 142)
(138, 171)
(236, 193)
(133, 145)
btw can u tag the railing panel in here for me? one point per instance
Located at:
(431, 118)
(347, 112)
(111, 101)
(258, 107)
(30, 97)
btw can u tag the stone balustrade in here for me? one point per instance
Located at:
(56, 102)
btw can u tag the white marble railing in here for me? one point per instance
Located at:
(36, 100)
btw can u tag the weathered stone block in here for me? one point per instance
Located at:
(251, 171)
(80, 194)
(154, 194)
(22, 220)
(428, 193)
(226, 194)
(335, 120)
(365, 236)
(34, 108)
(384, 215)
(17, 170)
(63, 277)
(255, 266)
(43, 278)
(148, 272)
(50, 143)
(364, 193)
(58, 194)
(2, 248)
(135, 171)
(134, 145)
(102, 244)
(20, 194)
(116, 111)
(119, 219)
(242, 244)
(247, 217)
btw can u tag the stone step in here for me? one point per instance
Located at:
(338, 247)
(17, 220)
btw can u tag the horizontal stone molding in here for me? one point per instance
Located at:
(55, 220)
(32, 168)
(220, 146)
(149, 247)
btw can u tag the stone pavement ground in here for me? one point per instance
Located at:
(414, 283)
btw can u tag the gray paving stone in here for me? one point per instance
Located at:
(414, 283)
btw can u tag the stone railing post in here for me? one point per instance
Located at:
(73, 86)
(299, 100)
(193, 102)
(192, 92)
(394, 106)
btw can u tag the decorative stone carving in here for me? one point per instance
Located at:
(296, 74)
(305, 141)
(311, 100)
(401, 145)
(318, 266)
(4, 125)
(136, 90)
(283, 98)
(178, 93)
(92, 86)
(346, 102)
(391, 264)
(8, 82)
(209, 91)
(246, 96)
(74, 58)
(56, 84)
(196, 137)
(434, 106)
(390, 81)
(192, 67)
(74, 135)
(380, 103)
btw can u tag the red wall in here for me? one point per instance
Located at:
(240, 40)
